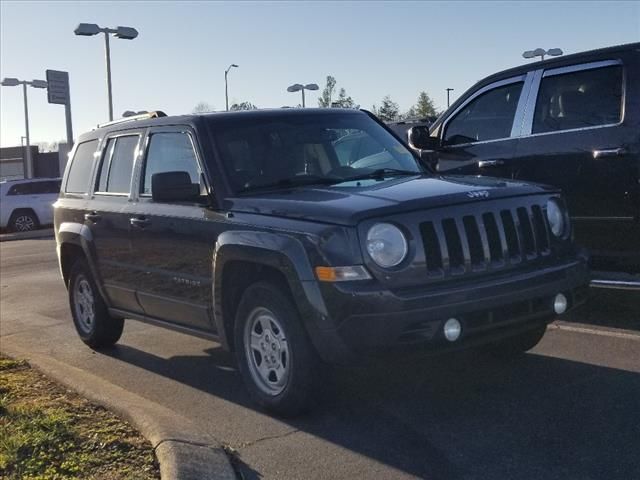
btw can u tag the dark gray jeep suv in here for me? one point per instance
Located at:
(252, 228)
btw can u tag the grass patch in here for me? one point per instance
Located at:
(48, 432)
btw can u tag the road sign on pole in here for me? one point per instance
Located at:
(58, 93)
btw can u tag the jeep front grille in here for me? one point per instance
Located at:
(490, 240)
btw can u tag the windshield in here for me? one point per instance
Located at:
(288, 150)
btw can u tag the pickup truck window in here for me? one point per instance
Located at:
(80, 169)
(488, 117)
(579, 99)
(169, 152)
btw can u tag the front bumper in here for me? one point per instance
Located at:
(365, 321)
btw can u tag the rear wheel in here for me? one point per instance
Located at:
(23, 221)
(521, 343)
(91, 318)
(278, 364)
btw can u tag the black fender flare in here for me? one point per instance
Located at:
(282, 252)
(78, 234)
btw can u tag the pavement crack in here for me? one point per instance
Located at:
(262, 439)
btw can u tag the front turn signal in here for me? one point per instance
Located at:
(342, 274)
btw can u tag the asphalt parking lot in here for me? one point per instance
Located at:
(570, 409)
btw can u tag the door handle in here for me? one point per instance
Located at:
(140, 222)
(608, 152)
(92, 217)
(490, 163)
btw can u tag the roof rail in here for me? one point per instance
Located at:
(133, 118)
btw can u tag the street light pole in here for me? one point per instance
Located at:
(14, 82)
(541, 52)
(125, 33)
(299, 87)
(226, 85)
(29, 160)
(107, 52)
(448, 90)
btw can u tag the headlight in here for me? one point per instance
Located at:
(386, 245)
(556, 217)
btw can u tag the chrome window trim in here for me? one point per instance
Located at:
(527, 125)
(102, 152)
(476, 94)
(580, 67)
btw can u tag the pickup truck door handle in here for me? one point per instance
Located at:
(92, 217)
(140, 222)
(608, 152)
(490, 163)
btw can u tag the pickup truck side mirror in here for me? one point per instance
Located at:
(420, 139)
(173, 187)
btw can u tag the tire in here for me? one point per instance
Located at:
(281, 369)
(23, 221)
(91, 318)
(518, 345)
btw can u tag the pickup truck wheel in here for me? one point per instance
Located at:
(514, 346)
(275, 357)
(23, 221)
(91, 318)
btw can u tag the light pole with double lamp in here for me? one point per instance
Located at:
(125, 33)
(226, 84)
(14, 82)
(541, 52)
(297, 87)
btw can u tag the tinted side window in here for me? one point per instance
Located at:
(81, 165)
(170, 152)
(117, 164)
(46, 187)
(20, 189)
(487, 117)
(579, 99)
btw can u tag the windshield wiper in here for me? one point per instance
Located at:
(381, 173)
(293, 182)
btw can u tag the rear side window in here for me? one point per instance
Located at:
(587, 98)
(170, 152)
(117, 165)
(21, 189)
(81, 165)
(487, 117)
(46, 187)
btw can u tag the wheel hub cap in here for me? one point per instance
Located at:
(267, 351)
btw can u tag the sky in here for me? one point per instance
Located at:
(372, 48)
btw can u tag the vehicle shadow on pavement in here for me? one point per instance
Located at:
(466, 415)
(609, 308)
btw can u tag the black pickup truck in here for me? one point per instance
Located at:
(258, 229)
(572, 122)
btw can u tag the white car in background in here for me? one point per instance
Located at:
(27, 204)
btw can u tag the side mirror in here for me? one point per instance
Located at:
(420, 139)
(173, 187)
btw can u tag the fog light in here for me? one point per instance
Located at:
(452, 329)
(560, 304)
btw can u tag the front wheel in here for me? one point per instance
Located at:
(91, 318)
(278, 364)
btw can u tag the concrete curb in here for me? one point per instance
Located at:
(184, 452)
(44, 233)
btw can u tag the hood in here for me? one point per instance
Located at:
(348, 203)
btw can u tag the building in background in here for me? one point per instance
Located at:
(45, 164)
